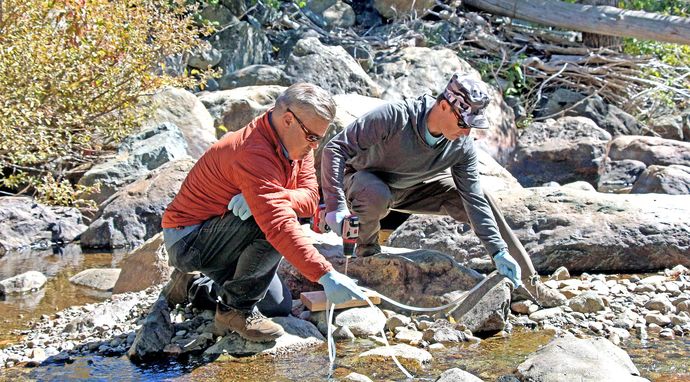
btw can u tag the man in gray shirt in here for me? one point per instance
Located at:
(416, 156)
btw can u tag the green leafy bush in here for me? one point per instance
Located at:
(73, 75)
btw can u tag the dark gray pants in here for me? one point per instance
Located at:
(371, 200)
(237, 257)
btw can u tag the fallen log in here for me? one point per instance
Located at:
(603, 20)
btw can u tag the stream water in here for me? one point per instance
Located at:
(657, 360)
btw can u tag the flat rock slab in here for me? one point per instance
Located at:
(97, 278)
(409, 356)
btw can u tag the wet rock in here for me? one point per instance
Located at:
(486, 309)
(145, 266)
(457, 375)
(406, 354)
(155, 333)
(25, 223)
(299, 334)
(21, 283)
(343, 333)
(97, 278)
(355, 377)
(444, 334)
(363, 322)
(593, 359)
(588, 302)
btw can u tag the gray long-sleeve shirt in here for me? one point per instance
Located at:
(389, 142)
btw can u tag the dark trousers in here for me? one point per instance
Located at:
(371, 199)
(237, 257)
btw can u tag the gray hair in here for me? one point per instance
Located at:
(307, 98)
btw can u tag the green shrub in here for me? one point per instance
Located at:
(73, 77)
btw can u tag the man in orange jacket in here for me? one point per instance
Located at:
(264, 174)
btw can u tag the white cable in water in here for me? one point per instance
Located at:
(330, 308)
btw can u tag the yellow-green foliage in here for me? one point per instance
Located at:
(72, 75)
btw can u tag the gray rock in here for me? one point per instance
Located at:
(299, 334)
(363, 322)
(255, 75)
(241, 45)
(486, 309)
(587, 302)
(650, 150)
(155, 333)
(25, 223)
(188, 113)
(660, 303)
(97, 278)
(583, 231)
(593, 359)
(310, 61)
(204, 56)
(457, 375)
(21, 283)
(673, 179)
(339, 15)
(608, 117)
(563, 150)
(620, 175)
(138, 155)
(133, 214)
(234, 109)
(355, 377)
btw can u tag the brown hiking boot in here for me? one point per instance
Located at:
(545, 296)
(175, 291)
(366, 250)
(252, 326)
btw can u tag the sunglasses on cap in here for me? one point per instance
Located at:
(309, 136)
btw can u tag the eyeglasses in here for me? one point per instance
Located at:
(461, 121)
(311, 137)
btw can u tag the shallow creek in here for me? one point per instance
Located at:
(657, 360)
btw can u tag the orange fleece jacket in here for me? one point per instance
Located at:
(250, 161)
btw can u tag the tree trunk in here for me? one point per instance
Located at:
(594, 19)
(595, 40)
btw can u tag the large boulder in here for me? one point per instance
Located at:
(233, 109)
(145, 266)
(650, 150)
(22, 283)
(564, 150)
(569, 358)
(240, 45)
(420, 277)
(564, 102)
(137, 155)
(414, 71)
(255, 75)
(184, 110)
(330, 67)
(582, 230)
(26, 223)
(673, 179)
(134, 214)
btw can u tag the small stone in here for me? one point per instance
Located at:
(667, 334)
(657, 318)
(560, 274)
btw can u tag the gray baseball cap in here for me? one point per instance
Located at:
(470, 97)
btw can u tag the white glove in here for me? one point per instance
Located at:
(239, 207)
(334, 219)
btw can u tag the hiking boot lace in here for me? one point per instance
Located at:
(255, 316)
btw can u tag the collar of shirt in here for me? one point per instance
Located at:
(282, 146)
(430, 139)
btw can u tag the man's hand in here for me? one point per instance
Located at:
(239, 207)
(508, 267)
(334, 219)
(340, 288)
